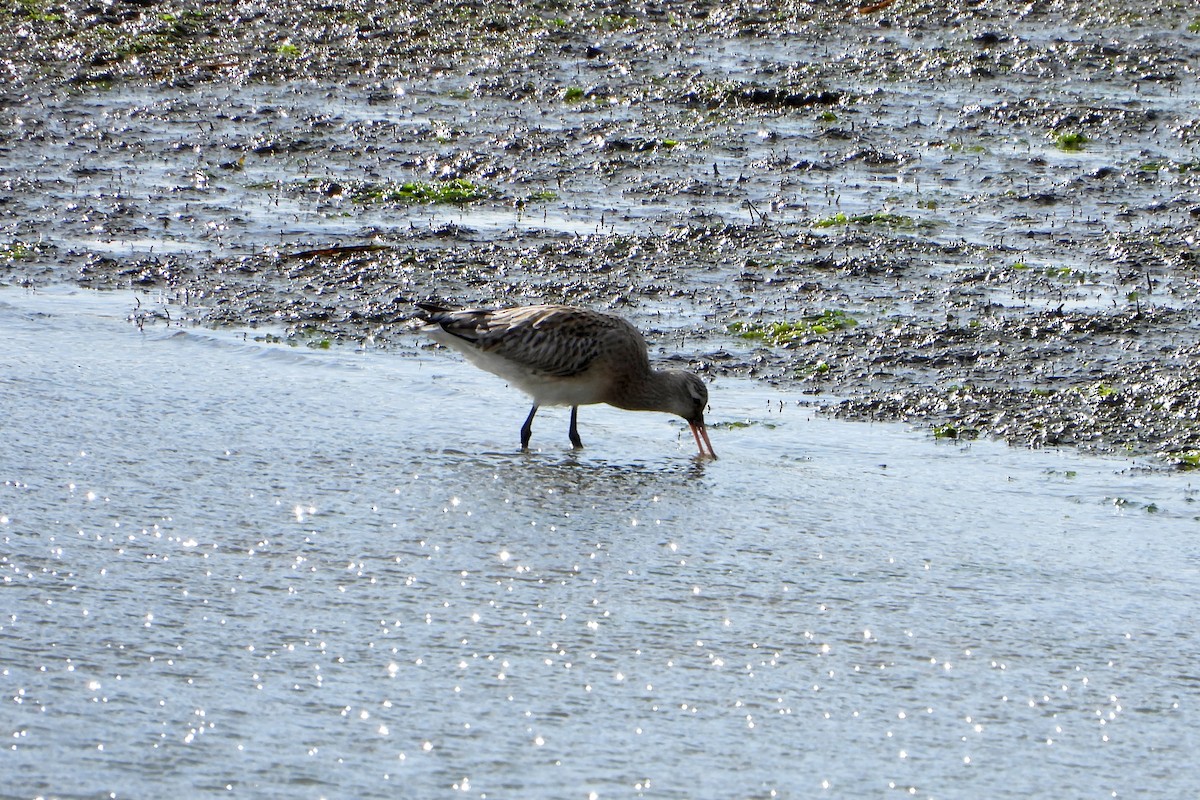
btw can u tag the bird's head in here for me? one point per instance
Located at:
(692, 400)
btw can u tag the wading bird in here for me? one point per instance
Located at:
(566, 356)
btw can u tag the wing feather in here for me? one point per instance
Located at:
(551, 341)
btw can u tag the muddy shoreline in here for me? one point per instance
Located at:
(977, 217)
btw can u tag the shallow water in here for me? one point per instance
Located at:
(241, 568)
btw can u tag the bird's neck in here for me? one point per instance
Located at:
(649, 392)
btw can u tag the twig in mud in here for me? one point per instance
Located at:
(337, 251)
(753, 209)
(871, 8)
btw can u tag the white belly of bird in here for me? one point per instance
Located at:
(580, 390)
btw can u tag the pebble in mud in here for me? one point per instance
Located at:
(1000, 196)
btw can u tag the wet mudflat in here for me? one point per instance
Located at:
(236, 567)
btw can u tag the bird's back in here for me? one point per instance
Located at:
(561, 355)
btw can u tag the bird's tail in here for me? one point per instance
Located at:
(428, 315)
(431, 308)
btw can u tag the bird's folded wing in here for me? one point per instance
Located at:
(555, 341)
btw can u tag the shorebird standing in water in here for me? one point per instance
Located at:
(565, 356)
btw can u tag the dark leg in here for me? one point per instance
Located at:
(527, 428)
(574, 431)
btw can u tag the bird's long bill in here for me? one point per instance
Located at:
(702, 440)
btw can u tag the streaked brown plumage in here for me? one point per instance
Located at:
(566, 356)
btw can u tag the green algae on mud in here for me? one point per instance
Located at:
(887, 219)
(785, 333)
(456, 191)
(1073, 141)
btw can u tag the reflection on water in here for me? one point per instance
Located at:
(244, 569)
